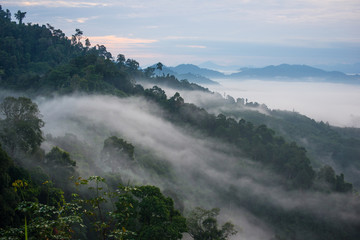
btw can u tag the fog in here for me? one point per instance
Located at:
(206, 172)
(338, 104)
(195, 160)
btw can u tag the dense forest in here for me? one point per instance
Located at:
(93, 148)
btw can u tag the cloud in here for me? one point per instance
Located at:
(200, 165)
(81, 20)
(192, 46)
(335, 103)
(55, 4)
(135, 47)
(114, 41)
(203, 168)
(180, 37)
(314, 25)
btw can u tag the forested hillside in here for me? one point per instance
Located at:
(325, 144)
(89, 153)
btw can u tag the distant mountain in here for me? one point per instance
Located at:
(193, 69)
(283, 72)
(345, 68)
(181, 74)
(220, 68)
(289, 72)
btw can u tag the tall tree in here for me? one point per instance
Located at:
(20, 16)
(21, 126)
(159, 66)
(120, 59)
(76, 38)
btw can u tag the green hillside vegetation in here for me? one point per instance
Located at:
(60, 187)
(325, 144)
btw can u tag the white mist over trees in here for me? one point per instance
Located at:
(195, 161)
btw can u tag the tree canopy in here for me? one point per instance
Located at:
(21, 128)
(203, 225)
(151, 215)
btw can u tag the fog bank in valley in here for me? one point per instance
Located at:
(202, 166)
(338, 104)
(206, 172)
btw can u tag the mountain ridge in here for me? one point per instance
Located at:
(294, 71)
(282, 72)
(193, 76)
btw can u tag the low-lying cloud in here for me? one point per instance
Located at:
(206, 171)
(337, 104)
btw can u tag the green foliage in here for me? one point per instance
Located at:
(94, 206)
(146, 212)
(117, 153)
(322, 141)
(341, 185)
(202, 224)
(42, 59)
(44, 221)
(259, 142)
(88, 73)
(80, 151)
(59, 157)
(155, 165)
(170, 81)
(140, 212)
(60, 161)
(119, 145)
(21, 128)
(7, 195)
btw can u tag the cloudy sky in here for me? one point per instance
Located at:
(227, 32)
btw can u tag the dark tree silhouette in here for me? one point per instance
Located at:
(159, 66)
(20, 16)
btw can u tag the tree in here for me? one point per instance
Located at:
(149, 72)
(103, 52)
(59, 157)
(116, 151)
(341, 185)
(151, 215)
(327, 174)
(202, 225)
(76, 38)
(132, 64)
(20, 16)
(159, 66)
(337, 183)
(87, 43)
(175, 102)
(60, 161)
(21, 128)
(6, 15)
(120, 59)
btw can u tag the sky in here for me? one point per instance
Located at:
(242, 32)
